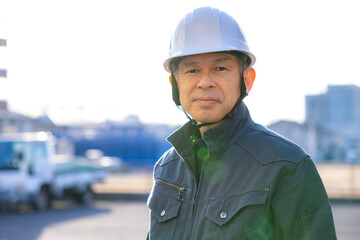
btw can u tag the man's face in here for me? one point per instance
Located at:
(209, 85)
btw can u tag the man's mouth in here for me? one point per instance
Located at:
(206, 100)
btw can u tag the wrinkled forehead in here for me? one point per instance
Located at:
(212, 58)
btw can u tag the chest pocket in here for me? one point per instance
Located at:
(239, 217)
(164, 203)
(163, 208)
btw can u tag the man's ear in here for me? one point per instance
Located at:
(249, 78)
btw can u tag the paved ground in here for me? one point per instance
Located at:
(120, 210)
(108, 220)
(341, 181)
(347, 221)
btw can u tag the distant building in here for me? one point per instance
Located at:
(331, 131)
(338, 110)
(320, 144)
(14, 122)
(297, 132)
(43, 123)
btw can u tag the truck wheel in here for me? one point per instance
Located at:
(41, 202)
(87, 198)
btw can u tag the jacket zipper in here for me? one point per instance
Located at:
(189, 229)
(181, 189)
(194, 199)
(191, 170)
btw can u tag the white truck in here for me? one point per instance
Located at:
(29, 174)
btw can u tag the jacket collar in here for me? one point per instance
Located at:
(216, 138)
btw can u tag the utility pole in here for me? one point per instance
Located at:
(3, 72)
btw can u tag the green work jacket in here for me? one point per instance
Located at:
(253, 184)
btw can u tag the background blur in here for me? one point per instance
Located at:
(102, 60)
(91, 73)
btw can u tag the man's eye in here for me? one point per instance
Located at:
(220, 68)
(192, 71)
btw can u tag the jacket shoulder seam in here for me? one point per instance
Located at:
(168, 156)
(287, 151)
(275, 135)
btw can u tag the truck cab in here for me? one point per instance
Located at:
(30, 174)
(26, 168)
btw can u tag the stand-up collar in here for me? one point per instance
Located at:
(216, 138)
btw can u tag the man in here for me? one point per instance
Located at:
(227, 177)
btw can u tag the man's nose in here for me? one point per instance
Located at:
(206, 81)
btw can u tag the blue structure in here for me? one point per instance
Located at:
(136, 143)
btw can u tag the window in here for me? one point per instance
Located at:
(11, 155)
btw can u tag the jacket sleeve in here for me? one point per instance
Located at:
(300, 206)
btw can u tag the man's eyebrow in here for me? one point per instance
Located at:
(216, 60)
(221, 59)
(189, 63)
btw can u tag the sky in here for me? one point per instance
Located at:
(97, 60)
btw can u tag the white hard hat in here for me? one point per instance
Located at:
(206, 30)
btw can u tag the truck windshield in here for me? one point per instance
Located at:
(11, 154)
